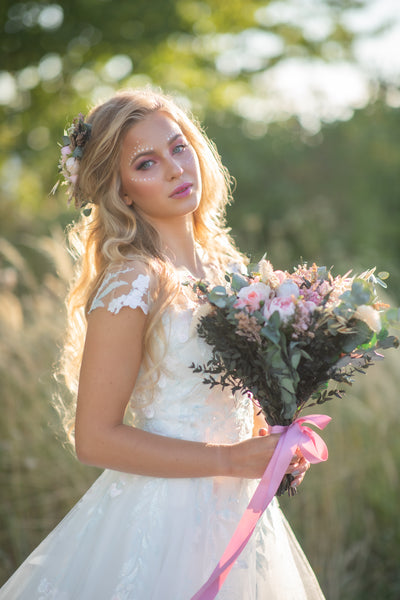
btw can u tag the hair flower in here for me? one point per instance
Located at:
(73, 145)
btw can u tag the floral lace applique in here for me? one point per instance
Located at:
(116, 488)
(48, 591)
(134, 298)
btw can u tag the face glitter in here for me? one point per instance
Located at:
(141, 149)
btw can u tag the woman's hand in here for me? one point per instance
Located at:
(250, 458)
(298, 466)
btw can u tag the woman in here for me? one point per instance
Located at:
(181, 461)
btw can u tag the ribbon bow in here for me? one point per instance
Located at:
(295, 436)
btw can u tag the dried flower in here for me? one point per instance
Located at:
(248, 327)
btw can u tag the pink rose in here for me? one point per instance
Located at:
(284, 306)
(252, 296)
(65, 150)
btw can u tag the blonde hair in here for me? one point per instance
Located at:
(114, 231)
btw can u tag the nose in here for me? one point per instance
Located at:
(174, 168)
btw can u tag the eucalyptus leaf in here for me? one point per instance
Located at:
(271, 334)
(362, 335)
(361, 292)
(218, 296)
(238, 282)
(287, 384)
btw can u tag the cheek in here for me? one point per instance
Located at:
(190, 161)
(140, 189)
(141, 179)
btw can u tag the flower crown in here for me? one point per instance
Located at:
(73, 145)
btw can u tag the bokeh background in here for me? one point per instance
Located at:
(302, 99)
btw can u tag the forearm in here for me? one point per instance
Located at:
(131, 450)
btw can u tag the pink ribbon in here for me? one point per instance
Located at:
(295, 436)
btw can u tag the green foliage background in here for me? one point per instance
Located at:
(331, 196)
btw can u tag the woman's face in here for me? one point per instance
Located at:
(159, 170)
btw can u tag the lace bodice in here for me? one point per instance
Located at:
(182, 406)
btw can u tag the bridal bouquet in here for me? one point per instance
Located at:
(284, 336)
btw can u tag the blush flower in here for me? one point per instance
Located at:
(66, 151)
(284, 306)
(253, 296)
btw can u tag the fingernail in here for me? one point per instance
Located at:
(295, 473)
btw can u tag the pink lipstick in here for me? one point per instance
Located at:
(182, 190)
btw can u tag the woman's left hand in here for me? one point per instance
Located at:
(298, 467)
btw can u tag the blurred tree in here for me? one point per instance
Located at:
(57, 58)
(331, 197)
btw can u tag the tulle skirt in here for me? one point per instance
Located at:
(139, 538)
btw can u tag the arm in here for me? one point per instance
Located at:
(111, 361)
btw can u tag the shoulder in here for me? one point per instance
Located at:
(125, 284)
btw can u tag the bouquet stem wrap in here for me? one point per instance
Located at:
(294, 436)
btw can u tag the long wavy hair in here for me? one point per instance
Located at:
(115, 232)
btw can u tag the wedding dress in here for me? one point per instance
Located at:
(132, 537)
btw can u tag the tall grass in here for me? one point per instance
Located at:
(345, 515)
(39, 477)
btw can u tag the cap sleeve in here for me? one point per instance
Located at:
(128, 286)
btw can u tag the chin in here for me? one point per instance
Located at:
(190, 205)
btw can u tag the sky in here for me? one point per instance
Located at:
(316, 89)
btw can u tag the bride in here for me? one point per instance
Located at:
(181, 461)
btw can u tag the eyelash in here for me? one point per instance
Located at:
(142, 167)
(182, 145)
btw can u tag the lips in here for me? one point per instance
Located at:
(182, 190)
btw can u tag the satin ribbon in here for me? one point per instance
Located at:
(295, 436)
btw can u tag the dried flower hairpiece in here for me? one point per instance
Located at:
(73, 145)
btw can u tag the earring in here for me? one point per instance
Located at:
(127, 200)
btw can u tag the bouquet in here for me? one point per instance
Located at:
(282, 337)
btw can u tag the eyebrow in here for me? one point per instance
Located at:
(151, 151)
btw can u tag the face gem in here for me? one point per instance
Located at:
(142, 149)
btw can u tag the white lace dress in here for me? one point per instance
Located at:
(132, 537)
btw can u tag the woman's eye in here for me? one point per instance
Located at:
(179, 148)
(146, 164)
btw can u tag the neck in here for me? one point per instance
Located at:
(179, 243)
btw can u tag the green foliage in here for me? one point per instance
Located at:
(331, 198)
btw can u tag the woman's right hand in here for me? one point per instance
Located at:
(249, 458)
